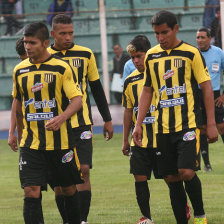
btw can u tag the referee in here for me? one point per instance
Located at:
(173, 71)
(82, 61)
(214, 59)
(42, 86)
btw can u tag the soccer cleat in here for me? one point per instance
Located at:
(207, 168)
(188, 211)
(83, 222)
(145, 220)
(200, 220)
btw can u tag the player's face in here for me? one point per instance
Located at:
(138, 60)
(203, 41)
(63, 35)
(34, 47)
(166, 36)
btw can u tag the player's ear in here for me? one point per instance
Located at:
(176, 28)
(52, 33)
(46, 43)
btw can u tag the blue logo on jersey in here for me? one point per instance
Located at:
(172, 102)
(41, 104)
(174, 90)
(152, 108)
(39, 116)
(149, 120)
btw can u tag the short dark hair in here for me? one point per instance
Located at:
(206, 30)
(164, 16)
(38, 30)
(139, 43)
(20, 46)
(61, 18)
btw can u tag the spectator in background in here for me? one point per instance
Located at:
(216, 29)
(119, 61)
(19, 9)
(129, 67)
(8, 8)
(59, 6)
(210, 12)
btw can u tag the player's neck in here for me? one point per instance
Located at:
(41, 59)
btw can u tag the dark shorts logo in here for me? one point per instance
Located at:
(48, 77)
(178, 62)
(189, 136)
(77, 62)
(67, 157)
(86, 135)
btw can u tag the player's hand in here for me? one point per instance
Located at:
(12, 142)
(108, 130)
(55, 123)
(126, 148)
(137, 135)
(219, 102)
(212, 133)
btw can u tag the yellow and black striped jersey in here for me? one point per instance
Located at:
(131, 92)
(82, 61)
(44, 90)
(174, 75)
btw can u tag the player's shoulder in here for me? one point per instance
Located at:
(77, 47)
(188, 48)
(134, 77)
(52, 50)
(23, 65)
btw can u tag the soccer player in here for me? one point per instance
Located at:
(82, 61)
(142, 159)
(173, 71)
(42, 86)
(214, 59)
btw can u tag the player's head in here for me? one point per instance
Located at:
(165, 28)
(203, 38)
(20, 49)
(36, 40)
(137, 49)
(62, 31)
(117, 49)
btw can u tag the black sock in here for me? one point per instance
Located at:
(42, 216)
(178, 201)
(143, 196)
(194, 191)
(72, 208)
(222, 138)
(84, 201)
(31, 210)
(60, 201)
(204, 149)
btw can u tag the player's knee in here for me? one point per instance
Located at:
(186, 174)
(69, 191)
(32, 192)
(85, 173)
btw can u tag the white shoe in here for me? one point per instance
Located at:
(83, 222)
(145, 220)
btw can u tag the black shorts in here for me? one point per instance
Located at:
(84, 144)
(179, 150)
(34, 166)
(219, 111)
(143, 162)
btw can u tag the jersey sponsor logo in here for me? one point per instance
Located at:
(136, 78)
(24, 70)
(156, 55)
(189, 136)
(174, 90)
(172, 102)
(86, 135)
(168, 74)
(67, 157)
(178, 62)
(37, 87)
(41, 104)
(39, 116)
(152, 108)
(77, 62)
(149, 120)
(48, 77)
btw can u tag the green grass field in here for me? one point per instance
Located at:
(113, 195)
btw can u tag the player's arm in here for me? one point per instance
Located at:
(19, 120)
(102, 105)
(74, 106)
(127, 122)
(143, 107)
(208, 99)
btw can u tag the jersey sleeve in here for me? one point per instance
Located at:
(15, 89)
(126, 99)
(199, 68)
(147, 73)
(93, 74)
(70, 85)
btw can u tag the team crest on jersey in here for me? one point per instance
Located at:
(48, 77)
(178, 62)
(37, 87)
(77, 62)
(168, 74)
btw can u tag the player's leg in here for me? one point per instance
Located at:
(83, 139)
(167, 165)
(188, 150)
(219, 117)
(32, 169)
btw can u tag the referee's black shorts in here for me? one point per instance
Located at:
(179, 150)
(35, 165)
